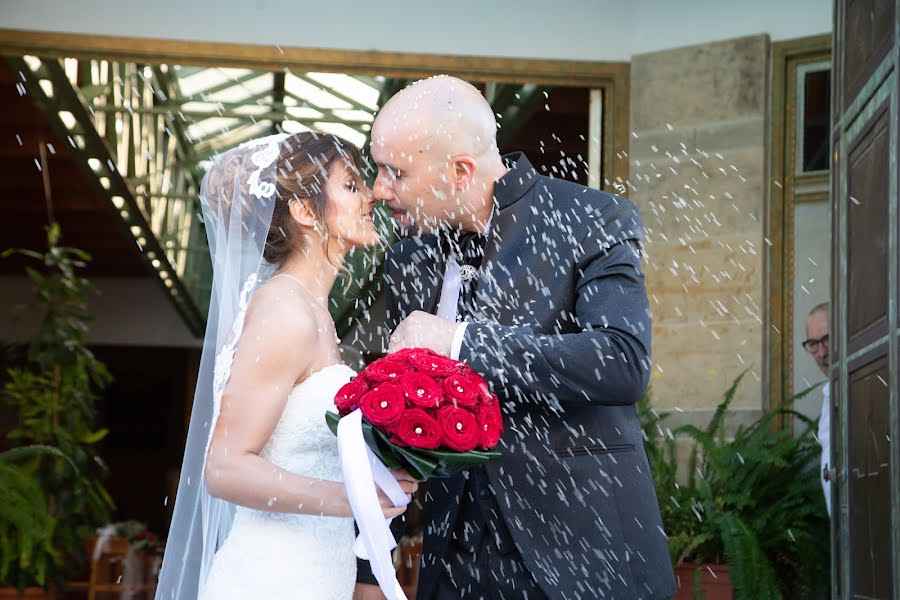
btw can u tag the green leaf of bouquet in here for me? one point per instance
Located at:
(420, 463)
(332, 420)
(381, 446)
(416, 465)
(474, 456)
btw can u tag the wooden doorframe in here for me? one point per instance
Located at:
(783, 182)
(612, 77)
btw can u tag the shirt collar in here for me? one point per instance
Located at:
(520, 178)
(487, 226)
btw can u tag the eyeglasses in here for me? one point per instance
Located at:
(812, 346)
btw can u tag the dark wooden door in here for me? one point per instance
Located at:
(864, 370)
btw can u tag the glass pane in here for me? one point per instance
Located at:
(553, 134)
(815, 129)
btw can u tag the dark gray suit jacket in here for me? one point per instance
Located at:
(561, 331)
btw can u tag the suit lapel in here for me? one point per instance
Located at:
(504, 246)
(421, 287)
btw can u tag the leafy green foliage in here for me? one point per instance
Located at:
(25, 526)
(54, 395)
(753, 502)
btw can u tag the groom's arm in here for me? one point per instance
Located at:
(364, 575)
(608, 362)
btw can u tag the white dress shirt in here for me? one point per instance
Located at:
(824, 435)
(449, 302)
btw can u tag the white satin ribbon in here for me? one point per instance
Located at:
(362, 471)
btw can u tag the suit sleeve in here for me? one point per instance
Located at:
(363, 569)
(607, 362)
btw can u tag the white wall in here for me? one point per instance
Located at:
(127, 311)
(812, 286)
(602, 30)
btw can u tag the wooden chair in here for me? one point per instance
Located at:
(107, 572)
(77, 587)
(409, 553)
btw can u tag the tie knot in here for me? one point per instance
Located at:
(466, 246)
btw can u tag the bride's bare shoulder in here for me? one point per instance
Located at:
(279, 310)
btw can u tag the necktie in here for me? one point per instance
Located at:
(468, 250)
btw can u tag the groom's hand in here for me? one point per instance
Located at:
(423, 330)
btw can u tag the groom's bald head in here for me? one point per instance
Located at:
(442, 115)
(435, 143)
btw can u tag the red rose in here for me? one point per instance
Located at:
(486, 398)
(434, 364)
(467, 371)
(461, 390)
(386, 369)
(347, 398)
(403, 354)
(418, 430)
(421, 390)
(383, 406)
(490, 425)
(460, 428)
(361, 377)
(484, 392)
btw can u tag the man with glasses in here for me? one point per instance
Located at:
(816, 344)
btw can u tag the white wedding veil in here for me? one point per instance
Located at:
(238, 197)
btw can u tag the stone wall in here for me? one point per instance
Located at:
(697, 160)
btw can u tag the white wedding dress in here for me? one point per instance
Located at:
(278, 555)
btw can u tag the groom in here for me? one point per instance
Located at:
(536, 284)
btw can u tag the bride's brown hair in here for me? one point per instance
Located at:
(304, 163)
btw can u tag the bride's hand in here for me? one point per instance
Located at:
(409, 486)
(387, 507)
(406, 481)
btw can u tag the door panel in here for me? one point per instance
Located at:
(867, 239)
(865, 300)
(869, 480)
(869, 34)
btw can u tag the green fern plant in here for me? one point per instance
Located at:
(753, 502)
(54, 393)
(26, 527)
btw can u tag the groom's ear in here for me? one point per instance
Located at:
(463, 171)
(301, 213)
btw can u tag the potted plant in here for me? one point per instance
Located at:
(750, 514)
(53, 393)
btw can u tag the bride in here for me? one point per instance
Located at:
(261, 511)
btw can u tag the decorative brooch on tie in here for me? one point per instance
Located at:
(467, 272)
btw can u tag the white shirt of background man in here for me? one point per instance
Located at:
(824, 435)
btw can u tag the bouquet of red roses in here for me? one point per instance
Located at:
(424, 412)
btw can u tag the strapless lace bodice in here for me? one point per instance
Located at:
(301, 442)
(281, 555)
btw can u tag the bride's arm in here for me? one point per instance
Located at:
(273, 353)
